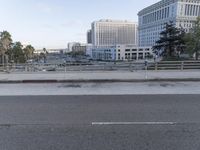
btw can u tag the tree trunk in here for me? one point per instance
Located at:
(170, 51)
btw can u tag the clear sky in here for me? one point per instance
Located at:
(54, 23)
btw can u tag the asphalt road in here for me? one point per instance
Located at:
(150, 122)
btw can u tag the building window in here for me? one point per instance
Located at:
(134, 56)
(129, 56)
(126, 56)
(140, 55)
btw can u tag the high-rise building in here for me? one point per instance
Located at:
(152, 19)
(89, 37)
(106, 33)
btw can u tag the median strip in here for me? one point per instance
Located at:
(102, 80)
(134, 123)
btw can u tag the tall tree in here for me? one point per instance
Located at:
(45, 51)
(18, 53)
(44, 54)
(5, 44)
(181, 43)
(193, 39)
(171, 41)
(28, 52)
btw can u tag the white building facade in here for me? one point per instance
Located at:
(132, 52)
(121, 53)
(152, 19)
(107, 33)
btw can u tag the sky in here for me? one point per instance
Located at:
(54, 23)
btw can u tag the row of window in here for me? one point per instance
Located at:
(113, 37)
(158, 15)
(192, 10)
(133, 56)
(190, 1)
(109, 34)
(133, 50)
(102, 56)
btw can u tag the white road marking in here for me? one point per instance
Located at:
(134, 123)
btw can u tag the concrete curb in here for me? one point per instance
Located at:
(101, 80)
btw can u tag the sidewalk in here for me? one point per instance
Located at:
(111, 76)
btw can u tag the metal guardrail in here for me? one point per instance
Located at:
(111, 66)
(176, 65)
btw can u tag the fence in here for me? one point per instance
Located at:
(175, 65)
(109, 66)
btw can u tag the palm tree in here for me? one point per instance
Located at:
(45, 50)
(28, 52)
(5, 44)
(18, 53)
(44, 54)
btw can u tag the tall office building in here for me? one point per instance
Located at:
(89, 37)
(106, 33)
(152, 19)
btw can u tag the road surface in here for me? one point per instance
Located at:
(134, 122)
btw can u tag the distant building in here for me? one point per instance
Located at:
(70, 45)
(106, 54)
(114, 40)
(89, 49)
(89, 37)
(132, 52)
(153, 18)
(107, 33)
(77, 47)
(121, 53)
(51, 51)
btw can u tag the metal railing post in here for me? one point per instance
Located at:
(80, 67)
(156, 66)
(26, 68)
(131, 67)
(182, 65)
(65, 68)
